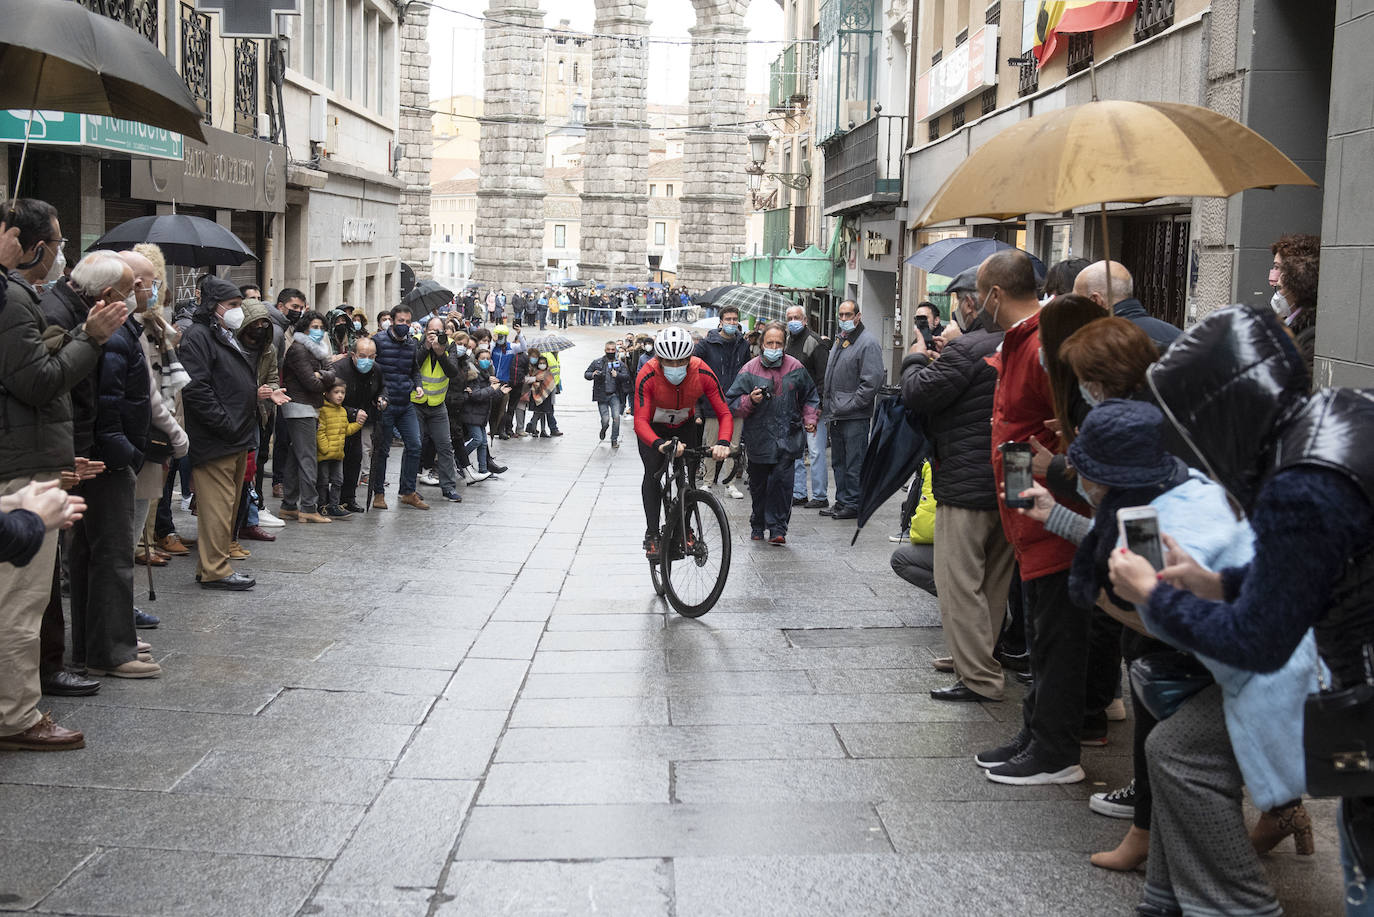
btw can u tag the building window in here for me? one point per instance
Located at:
(139, 15)
(560, 236)
(961, 37)
(956, 118)
(1153, 17)
(1029, 80)
(1080, 51)
(989, 100)
(938, 56)
(195, 56)
(331, 34)
(560, 71)
(934, 131)
(993, 16)
(246, 87)
(385, 37)
(653, 191)
(577, 71)
(847, 71)
(660, 233)
(669, 190)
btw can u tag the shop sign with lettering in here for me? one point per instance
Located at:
(232, 172)
(57, 128)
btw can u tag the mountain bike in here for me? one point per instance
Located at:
(694, 543)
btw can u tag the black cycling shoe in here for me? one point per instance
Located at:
(651, 547)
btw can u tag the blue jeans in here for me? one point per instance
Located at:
(477, 444)
(610, 413)
(396, 419)
(815, 450)
(848, 443)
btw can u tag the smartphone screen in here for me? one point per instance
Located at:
(1142, 537)
(1016, 474)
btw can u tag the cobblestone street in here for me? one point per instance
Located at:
(484, 709)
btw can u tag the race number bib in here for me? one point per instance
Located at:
(671, 417)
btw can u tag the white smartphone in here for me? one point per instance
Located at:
(1139, 527)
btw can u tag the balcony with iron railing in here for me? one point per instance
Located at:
(790, 75)
(864, 165)
(139, 15)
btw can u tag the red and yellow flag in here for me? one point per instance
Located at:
(1055, 16)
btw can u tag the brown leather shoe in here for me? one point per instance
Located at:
(285, 513)
(379, 502)
(312, 517)
(942, 664)
(44, 735)
(134, 668)
(144, 559)
(173, 545)
(255, 533)
(413, 499)
(238, 551)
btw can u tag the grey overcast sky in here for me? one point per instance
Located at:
(456, 44)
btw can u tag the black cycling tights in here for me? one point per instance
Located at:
(650, 489)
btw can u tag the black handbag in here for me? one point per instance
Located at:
(159, 448)
(1163, 681)
(1338, 737)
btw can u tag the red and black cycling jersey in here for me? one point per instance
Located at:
(660, 403)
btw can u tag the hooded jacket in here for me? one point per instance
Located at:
(1021, 405)
(255, 310)
(345, 341)
(776, 428)
(35, 407)
(221, 400)
(853, 374)
(725, 356)
(954, 395)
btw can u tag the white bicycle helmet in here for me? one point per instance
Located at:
(673, 343)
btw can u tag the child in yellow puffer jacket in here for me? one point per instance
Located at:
(334, 427)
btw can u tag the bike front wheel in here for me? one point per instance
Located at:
(696, 556)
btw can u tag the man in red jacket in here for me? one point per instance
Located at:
(1046, 750)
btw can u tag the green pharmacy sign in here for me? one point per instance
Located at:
(57, 128)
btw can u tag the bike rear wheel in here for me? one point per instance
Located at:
(695, 571)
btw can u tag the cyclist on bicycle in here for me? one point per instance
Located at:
(666, 393)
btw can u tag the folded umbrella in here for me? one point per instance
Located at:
(185, 240)
(896, 448)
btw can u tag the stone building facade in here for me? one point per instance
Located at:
(615, 213)
(416, 139)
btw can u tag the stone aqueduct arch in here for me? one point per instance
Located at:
(510, 217)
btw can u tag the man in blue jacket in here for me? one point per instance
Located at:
(725, 350)
(853, 375)
(1092, 283)
(398, 360)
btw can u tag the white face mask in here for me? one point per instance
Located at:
(131, 303)
(233, 318)
(1279, 303)
(58, 265)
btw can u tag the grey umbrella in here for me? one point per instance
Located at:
(57, 56)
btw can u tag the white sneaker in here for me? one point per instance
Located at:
(1116, 711)
(898, 539)
(474, 477)
(185, 504)
(269, 521)
(428, 478)
(734, 492)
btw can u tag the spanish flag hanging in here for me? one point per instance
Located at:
(1055, 16)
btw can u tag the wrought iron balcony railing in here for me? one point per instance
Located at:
(865, 164)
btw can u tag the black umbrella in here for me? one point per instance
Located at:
(185, 240)
(407, 278)
(572, 283)
(710, 296)
(896, 448)
(426, 297)
(57, 56)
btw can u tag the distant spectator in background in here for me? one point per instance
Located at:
(1092, 283)
(1293, 275)
(1061, 275)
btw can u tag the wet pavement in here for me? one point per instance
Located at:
(484, 709)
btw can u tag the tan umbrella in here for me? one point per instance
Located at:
(1110, 151)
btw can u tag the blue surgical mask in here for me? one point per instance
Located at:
(795, 327)
(1043, 365)
(846, 325)
(1088, 396)
(729, 330)
(317, 334)
(485, 364)
(460, 351)
(675, 374)
(365, 364)
(357, 326)
(772, 355)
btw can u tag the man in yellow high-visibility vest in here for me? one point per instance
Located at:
(436, 369)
